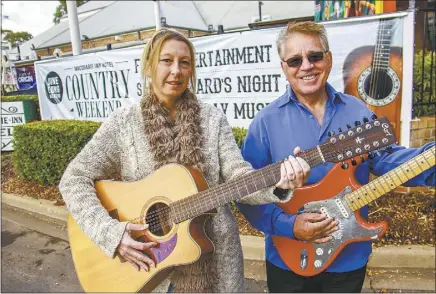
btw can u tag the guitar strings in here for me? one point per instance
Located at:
(156, 214)
(164, 214)
(153, 217)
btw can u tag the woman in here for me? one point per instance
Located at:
(169, 125)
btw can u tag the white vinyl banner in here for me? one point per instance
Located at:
(239, 73)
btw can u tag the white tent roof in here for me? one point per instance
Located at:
(132, 16)
(238, 14)
(117, 17)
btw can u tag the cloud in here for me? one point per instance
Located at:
(34, 17)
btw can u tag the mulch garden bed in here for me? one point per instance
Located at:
(411, 217)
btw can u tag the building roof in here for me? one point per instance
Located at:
(110, 18)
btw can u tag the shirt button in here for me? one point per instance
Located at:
(311, 116)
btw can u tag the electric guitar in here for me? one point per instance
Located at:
(374, 74)
(175, 202)
(340, 196)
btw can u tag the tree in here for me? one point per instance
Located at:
(16, 38)
(61, 10)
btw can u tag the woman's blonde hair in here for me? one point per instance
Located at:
(304, 27)
(150, 55)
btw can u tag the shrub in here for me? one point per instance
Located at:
(424, 80)
(43, 149)
(21, 98)
(239, 134)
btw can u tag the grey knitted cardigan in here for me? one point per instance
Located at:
(120, 145)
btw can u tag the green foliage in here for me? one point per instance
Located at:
(43, 149)
(16, 38)
(61, 10)
(21, 98)
(239, 134)
(424, 80)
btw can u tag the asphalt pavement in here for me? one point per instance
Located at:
(36, 257)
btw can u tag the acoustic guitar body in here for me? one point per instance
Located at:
(309, 259)
(181, 244)
(385, 97)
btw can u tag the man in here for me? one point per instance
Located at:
(308, 110)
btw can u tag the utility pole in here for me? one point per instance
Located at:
(73, 20)
(157, 14)
(260, 10)
(411, 4)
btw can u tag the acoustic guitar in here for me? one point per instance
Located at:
(340, 196)
(175, 201)
(374, 74)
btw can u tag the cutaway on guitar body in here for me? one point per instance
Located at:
(143, 201)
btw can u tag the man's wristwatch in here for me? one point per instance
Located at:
(281, 193)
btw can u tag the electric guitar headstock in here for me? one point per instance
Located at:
(359, 140)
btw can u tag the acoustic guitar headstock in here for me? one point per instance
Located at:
(365, 137)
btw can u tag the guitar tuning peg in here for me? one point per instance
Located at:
(331, 133)
(357, 123)
(353, 162)
(339, 130)
(365, 119)
(374, 116)
(348, 126)
(362, 159)
(344, 165)
(371, 155)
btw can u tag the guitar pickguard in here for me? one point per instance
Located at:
(165, 248)
(349, 229)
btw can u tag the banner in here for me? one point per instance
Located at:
(239, 73)
(26, 79)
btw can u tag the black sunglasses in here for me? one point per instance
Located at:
(313, 57)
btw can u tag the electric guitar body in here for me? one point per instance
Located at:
(338, 195)
(304, 258)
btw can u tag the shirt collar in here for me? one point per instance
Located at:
(290, 95)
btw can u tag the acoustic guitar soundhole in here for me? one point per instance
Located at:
(378, 85)
(158, 218)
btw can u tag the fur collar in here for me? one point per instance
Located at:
(178, 140)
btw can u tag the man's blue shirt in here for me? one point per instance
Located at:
(285, 124)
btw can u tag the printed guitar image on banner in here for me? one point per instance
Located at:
(374, 74)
